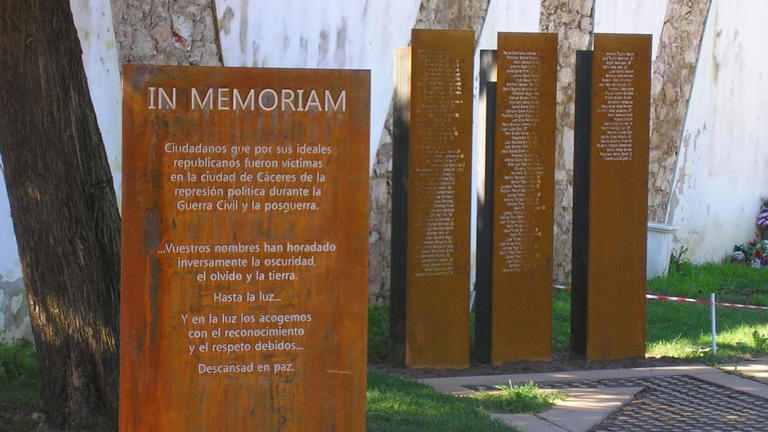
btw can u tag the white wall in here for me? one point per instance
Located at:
(631, 16)
(93, 19)
(723, 165)
(10, 268)
(350, 34)
(293, 33)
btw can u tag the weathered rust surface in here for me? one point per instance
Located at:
(438, 185)
(618, 192)
(295, 330)
(523, 197)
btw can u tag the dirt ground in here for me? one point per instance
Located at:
(560, 362)
(18, 418)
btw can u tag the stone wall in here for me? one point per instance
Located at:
(573, 21)
(380, 218)
(673, 71)
(433, 14)
(452, 14)
(14, 314)
(166, 32)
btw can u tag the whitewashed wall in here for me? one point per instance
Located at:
(723, 165)
(10, 268)
(93, 19)
(631, 16)
(348, 34)
(724, 154)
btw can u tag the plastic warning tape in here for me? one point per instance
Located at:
(677, 299)
(684, 300)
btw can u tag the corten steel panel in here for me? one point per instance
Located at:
(438, 187)
(523, 197)
(618, 192)
(310, 331)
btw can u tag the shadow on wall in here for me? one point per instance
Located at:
(14, 314)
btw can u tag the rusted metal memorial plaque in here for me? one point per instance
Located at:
(431, 200)
(610, 197)
(520, 312)
(245, 208)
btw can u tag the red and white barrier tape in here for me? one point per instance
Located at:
(685, 300)
(735, 305)
(677, 299)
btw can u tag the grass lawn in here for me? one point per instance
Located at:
(735, 283)
(673, 329)
(396, 404)
(19, 387)
(399, 405)
(683, 329)
(18, 373)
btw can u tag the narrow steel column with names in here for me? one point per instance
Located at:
(431, 201)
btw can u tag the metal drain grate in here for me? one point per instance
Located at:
(679, 403)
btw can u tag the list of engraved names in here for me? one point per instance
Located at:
(438, 130)
(520, 171)
(615, 135)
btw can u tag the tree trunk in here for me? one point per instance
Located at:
(64, 212)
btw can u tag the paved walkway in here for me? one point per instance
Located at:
(757, 370)
(684, 398)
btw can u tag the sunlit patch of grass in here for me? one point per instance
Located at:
(514, 399)
(396, 404)
(683, 330)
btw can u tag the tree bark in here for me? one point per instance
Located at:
(64, 212)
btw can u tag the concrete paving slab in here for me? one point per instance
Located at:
(756, 369)
(527, 423)
(587, 408)
(458, 384)
(735, 382)
(579, 412)
(584, 408)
